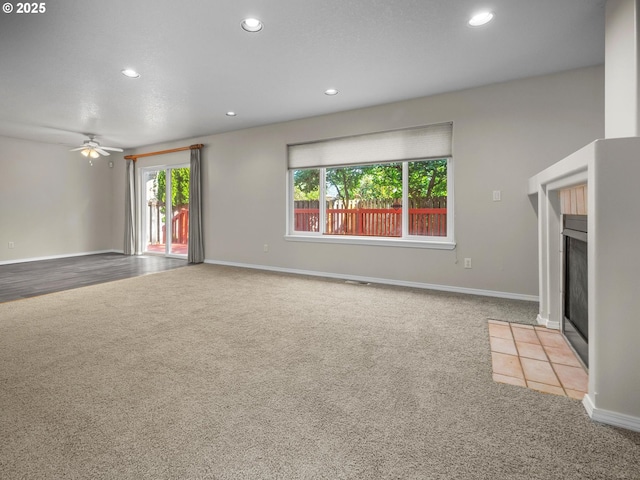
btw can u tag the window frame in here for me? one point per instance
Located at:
(411, 241)
(144, 213)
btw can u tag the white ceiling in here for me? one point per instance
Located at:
(60, 70)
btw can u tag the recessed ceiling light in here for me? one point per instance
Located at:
(127, 72)
(231, 114)
(251, 25)
(480, 19)
(331, 91)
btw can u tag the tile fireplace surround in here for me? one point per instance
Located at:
(611, 170)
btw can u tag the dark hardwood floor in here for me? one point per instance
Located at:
(30, 279)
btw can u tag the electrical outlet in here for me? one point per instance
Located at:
(467, 263)
(497, 195)
(11, 245)
(265, 247)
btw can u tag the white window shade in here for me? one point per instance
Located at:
(433, 141)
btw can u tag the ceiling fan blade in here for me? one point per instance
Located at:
(76, 149)
(101, 151)
(113, 149)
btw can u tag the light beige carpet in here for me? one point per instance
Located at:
(223, 373)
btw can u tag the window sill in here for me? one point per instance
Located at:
(387, 242)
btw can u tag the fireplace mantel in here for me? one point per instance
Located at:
(611, 170)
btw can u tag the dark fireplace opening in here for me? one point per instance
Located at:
(575, 325)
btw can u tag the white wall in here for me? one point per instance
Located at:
(614, 377)
(622, 53)
(53, 203)
(503, 134)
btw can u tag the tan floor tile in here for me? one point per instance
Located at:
(539, 371)
(510, 380)
(501, 331)
(578, 395)
(508, 365)
(542, 328)
(520, 325)
(503, 345)
(551, 339)
(543, 387)
(529, 350)
(527, 365)
(524, 335)
(573, 378)
(562, 355)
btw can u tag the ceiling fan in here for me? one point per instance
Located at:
(91, 148)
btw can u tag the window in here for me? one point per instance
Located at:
(403, 197)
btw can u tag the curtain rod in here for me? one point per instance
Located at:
(162, 152)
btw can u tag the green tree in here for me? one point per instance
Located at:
(306, 184)
(179, 187)
(382, 182)
(427, 179)
(346, 182)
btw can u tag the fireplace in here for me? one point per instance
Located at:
(611, 169)
(575, 318)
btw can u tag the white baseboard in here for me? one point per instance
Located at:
(54, 257)
(383, 281)
(610, 418)
(545, 322)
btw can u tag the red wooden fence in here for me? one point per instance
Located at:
(380, 222)
(180, 226)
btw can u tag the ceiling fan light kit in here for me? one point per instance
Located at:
(91, 148)
(89, 152)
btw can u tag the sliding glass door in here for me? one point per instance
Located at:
(165, 219)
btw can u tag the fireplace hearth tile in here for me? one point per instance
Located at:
(573, 378)
(503, 345)
(541, 360)
(508, 365)
(539, 371)
(543, 387)
(501, 331)
(562, 355)
(576, 394)
(551, 339)
(519, 382)
(498, 322)
(530, 350)
(521, 325)
(527, 336)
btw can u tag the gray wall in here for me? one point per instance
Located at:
(53, 203)
(503, 134)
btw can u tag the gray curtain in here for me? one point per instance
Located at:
(130, 210)
(195, 253)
